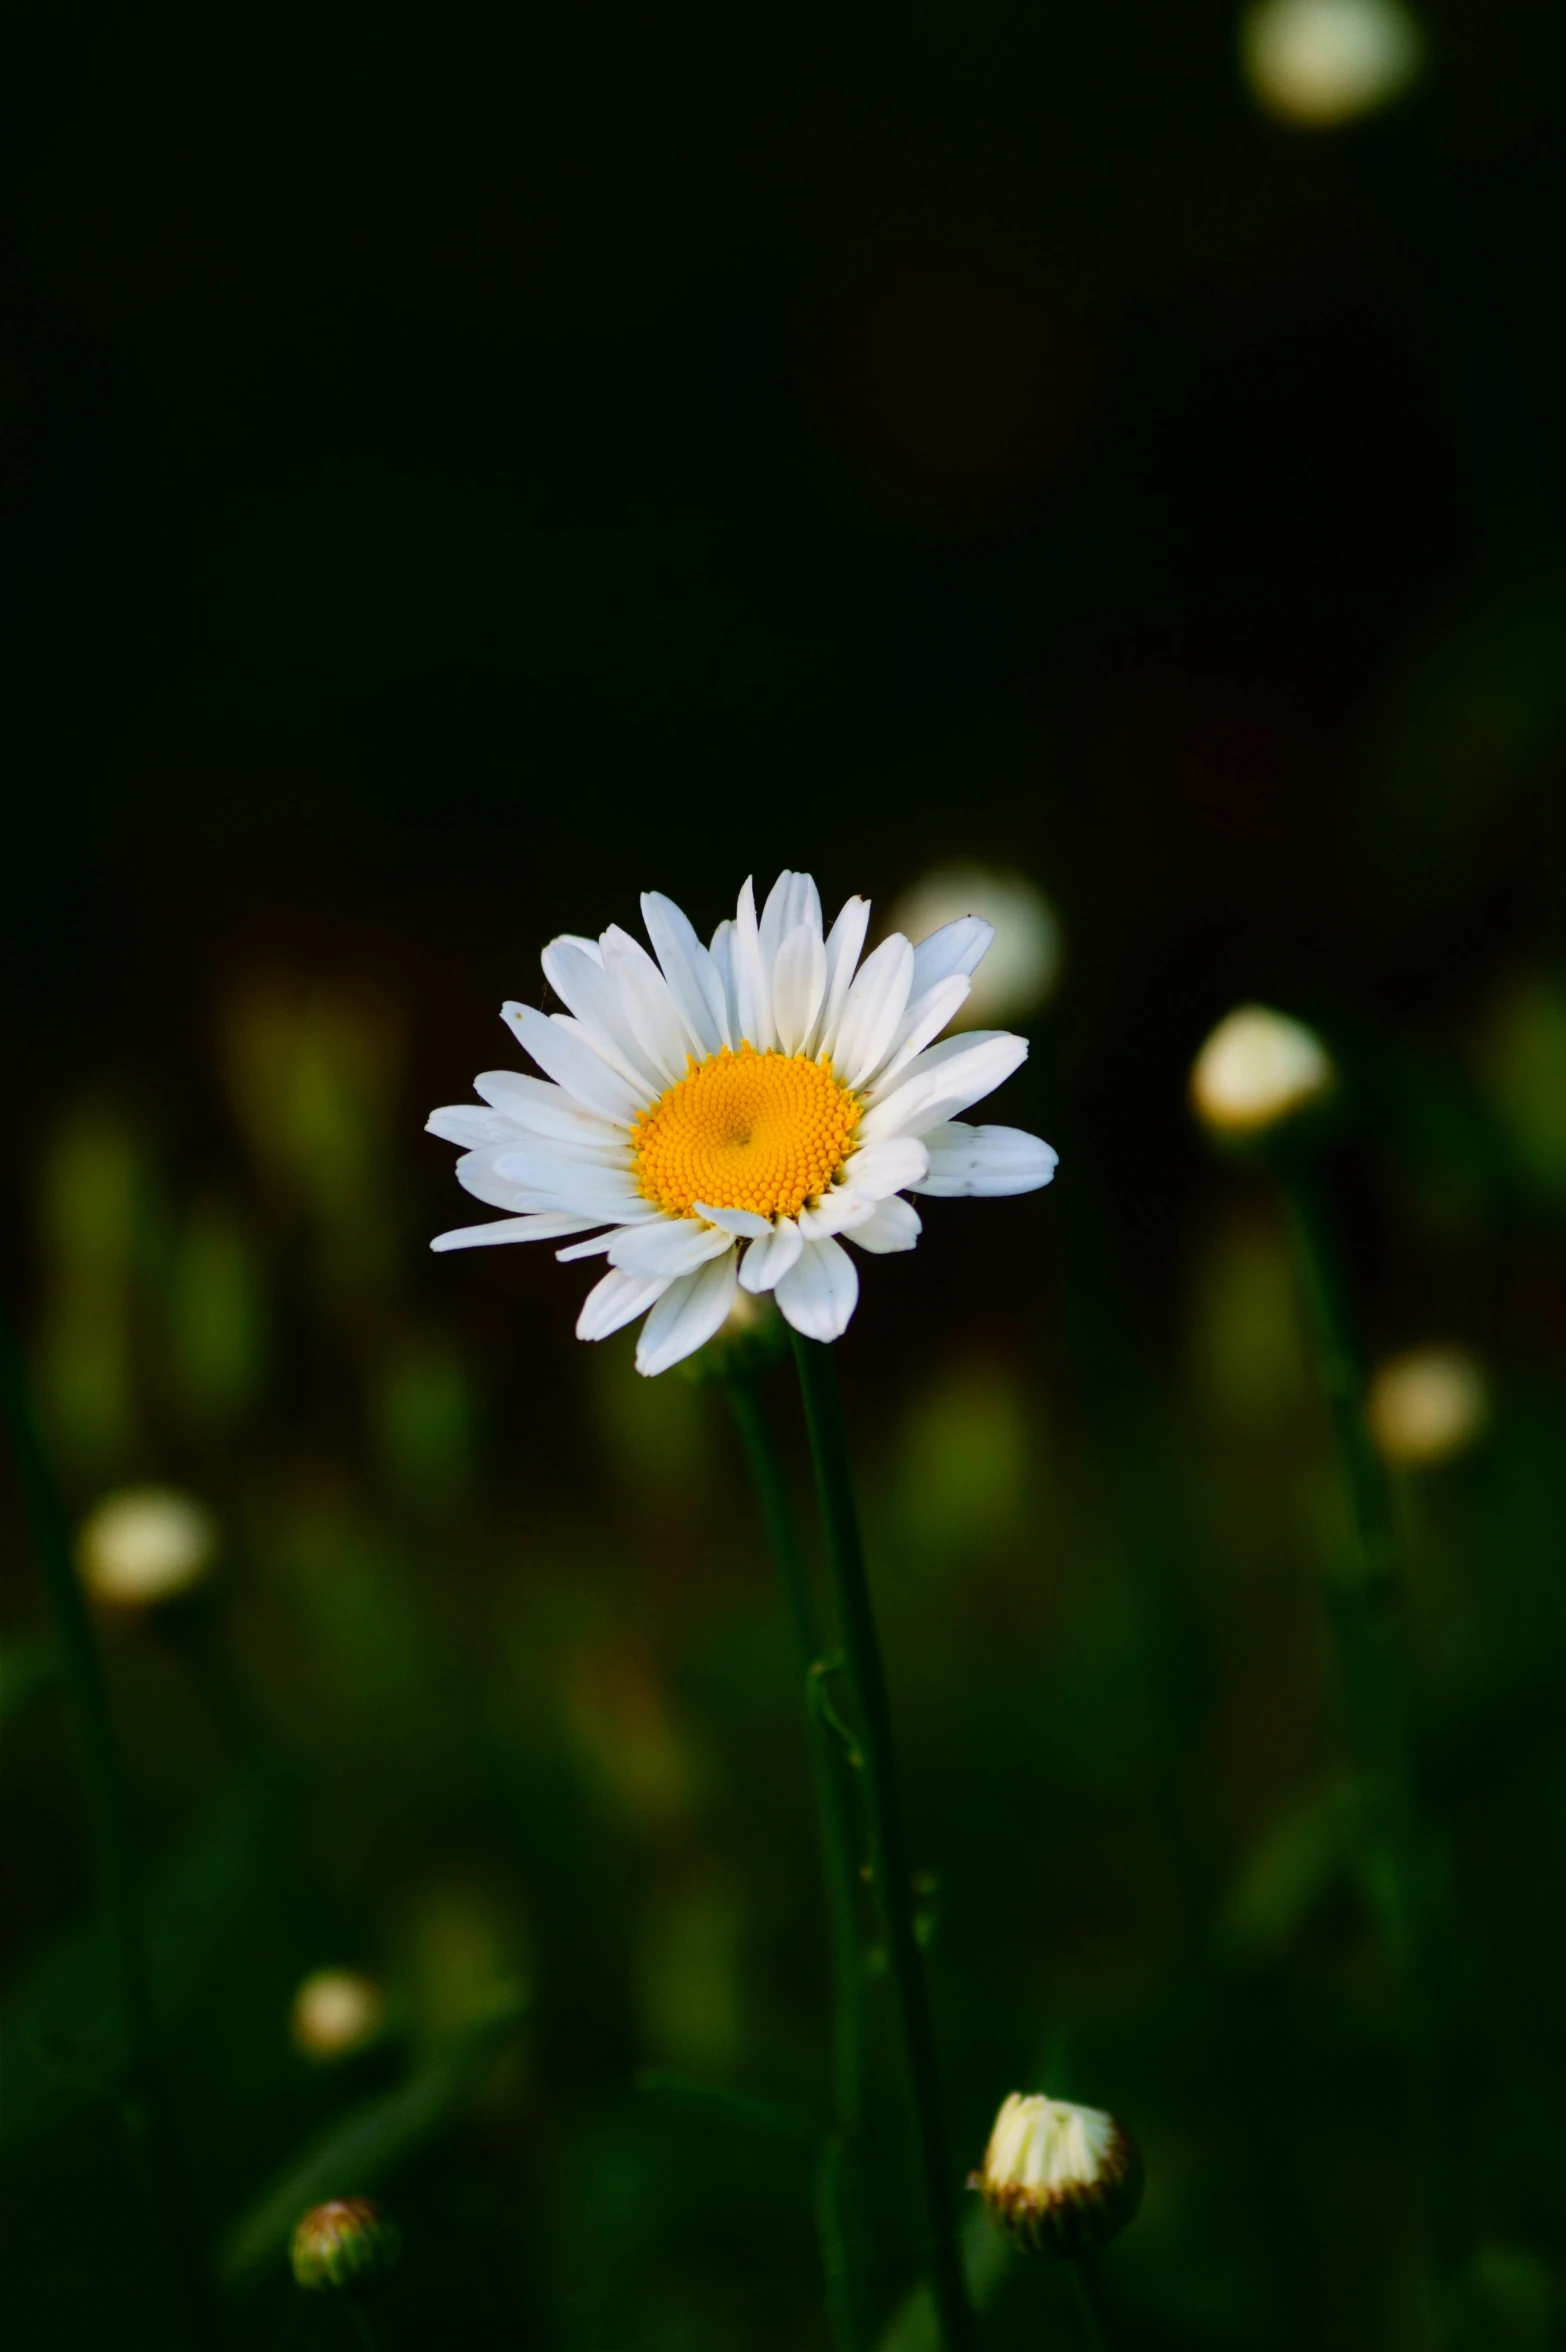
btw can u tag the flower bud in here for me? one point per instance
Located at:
(1320, 62)
(145, 1545)
(1020, 969)
(1426, 1406)
(336, 2011)
(1257, 1070)
(342, 2242)
(1059, 2179)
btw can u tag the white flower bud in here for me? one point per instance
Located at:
(1320, 62)
(336, 2011)
(1426, 1406)
(144, 1546)
(1059, 2179)
(1257, 1069)
(1020, 968)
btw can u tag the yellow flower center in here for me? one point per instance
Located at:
(746, 1130)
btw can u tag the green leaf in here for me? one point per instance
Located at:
(54, 2028)
(1298, 1860)
(367, 2142)
(771, 2117)
(29, 1670)
(986, 2261)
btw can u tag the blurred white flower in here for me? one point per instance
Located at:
(1522, 1067)
(1320, 62)
(719, 1117)
(1022, 969)
(1059, 2179)
(1427, 1405)
(1257, 1069)
(746, 1315)
(336, 2011)
(145, 1545)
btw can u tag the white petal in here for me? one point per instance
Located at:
(844, 941)
(770, 1256)
(589, 947)
(798, 985)
(655, 1019)
(722, 955)
(944, 1079)
(744, 1224)
(819, 1294)
(925, 1018)
(694, 981)
(956, 948)
(895, 1226)
(880, 1169)
(559, 1152)
(563, 1056)
(876, 1003)
(595, 1001)
(614, 1302)
(581, 1201)
(540, 1228)
(793, 900)
(539, 1107)
(752, 989)
(671, 1246)
(599, 1247)
(477, 1173)
(686, 1316)
(985, 1161)
(839, 1211)
(471, 1125)
(570, 1181)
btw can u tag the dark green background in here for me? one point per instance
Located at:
(463, 467)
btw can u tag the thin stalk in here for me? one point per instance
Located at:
(363, 2327)
(888, 1843)
(1366, 1617)
(1398, 1857)
(839, 2183)
(1089, 2299)
(195, 1630)
(144, 2101)
(776, 1513)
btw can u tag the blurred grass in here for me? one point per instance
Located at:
(463, 472)
(556, 1692)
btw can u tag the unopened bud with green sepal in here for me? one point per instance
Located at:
(347, 2240)
(1059, 2179)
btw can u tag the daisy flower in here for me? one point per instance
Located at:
(730, 1115)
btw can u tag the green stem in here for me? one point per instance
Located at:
(1366, 1618)
(194, 1630)
(1089, 2299)
(777, 1517)
(144, 2102)
(839, 2187)
(363, 2328)
(888, 1844)
(840, 2227)
(1398, 1857)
